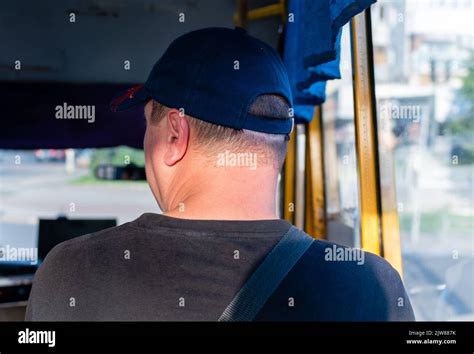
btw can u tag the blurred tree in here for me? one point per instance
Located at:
(119, 156)
(463, 127)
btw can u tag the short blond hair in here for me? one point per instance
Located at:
(213, 138)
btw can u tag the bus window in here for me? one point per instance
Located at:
(424, 74)
(47, 183)
(342, 200)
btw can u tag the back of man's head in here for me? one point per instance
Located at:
(219, 113)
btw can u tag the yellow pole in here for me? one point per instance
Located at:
(366, 139)
(278, 9)
(380, 228)
(315, 221)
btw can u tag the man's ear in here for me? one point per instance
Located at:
(177, 136)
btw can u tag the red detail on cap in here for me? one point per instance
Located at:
(126, 96)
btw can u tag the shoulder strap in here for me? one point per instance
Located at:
(266, 278)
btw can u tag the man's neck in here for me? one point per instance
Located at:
(243, 196)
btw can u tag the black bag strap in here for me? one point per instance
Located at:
(265, 279)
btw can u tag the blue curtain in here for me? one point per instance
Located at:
(312, 48)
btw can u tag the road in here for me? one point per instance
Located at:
(32, 190)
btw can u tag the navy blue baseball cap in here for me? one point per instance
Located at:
(215, 74)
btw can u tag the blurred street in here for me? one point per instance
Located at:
(32, 190)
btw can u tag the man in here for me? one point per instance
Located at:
(218, 113)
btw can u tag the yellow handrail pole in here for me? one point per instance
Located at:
(315, 220)
(278, 9)
(241, 17)
(289, 180)
(308, 212)
(366, 130)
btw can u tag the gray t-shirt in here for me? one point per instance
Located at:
(168, 269)
(153, 268)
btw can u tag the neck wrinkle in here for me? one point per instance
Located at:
(244, 196)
